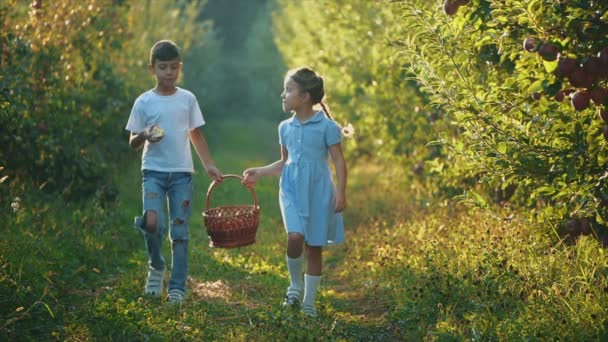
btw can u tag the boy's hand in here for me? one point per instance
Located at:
(250, 177)
(339, 202)
(154, 133)
(214, 173)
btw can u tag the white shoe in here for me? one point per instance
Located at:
(176, 296)
(309, 310)
(154, 284)
(291, 300)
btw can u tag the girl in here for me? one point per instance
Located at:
(311, 205)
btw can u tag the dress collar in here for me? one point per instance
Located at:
(313, 119)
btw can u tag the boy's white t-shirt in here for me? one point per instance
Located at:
(176, 114)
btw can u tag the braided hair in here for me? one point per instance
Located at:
(312, 83)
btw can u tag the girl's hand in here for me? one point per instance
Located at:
(214, 173)
(339, 202)
(250, 176)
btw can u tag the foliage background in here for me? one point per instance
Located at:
(454, 93)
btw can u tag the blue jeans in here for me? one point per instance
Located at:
(176, 189)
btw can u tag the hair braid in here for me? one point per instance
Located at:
(326, 111)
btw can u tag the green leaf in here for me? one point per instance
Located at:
(502, 148)
(546, 190)
(523, 20)
(599, 218)
(536, 86)
(502, 19)
(550, 66)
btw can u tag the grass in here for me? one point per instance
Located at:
(409, 271)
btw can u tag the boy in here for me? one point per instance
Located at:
(164, 120)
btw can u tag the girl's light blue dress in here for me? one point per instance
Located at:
(306, 189)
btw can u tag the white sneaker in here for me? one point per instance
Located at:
(154, 284)
(291, 300)
(309, 310)
(176, 296)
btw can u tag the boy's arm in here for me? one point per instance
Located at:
(338, 158)
(137, 140)
(202, 149)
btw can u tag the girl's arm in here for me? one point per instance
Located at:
(252, 175)
(338, 158)
(202, 149)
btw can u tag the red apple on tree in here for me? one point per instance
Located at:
(580, 100)
(585, 227)
(602, 56)
(604, 115)
(581, 79)
(450, 7)
(536, 96)
(531, 44)
(572, 227)
(599, 95)
(591, 65)
(604, 240)
(565, 66)
(548, 51)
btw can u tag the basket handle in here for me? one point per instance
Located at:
(215, 184)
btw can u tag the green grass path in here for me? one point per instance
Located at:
(234, 294)
(409, 270)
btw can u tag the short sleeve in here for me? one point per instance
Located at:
(196, 116)
(333, 133)
(136, 121)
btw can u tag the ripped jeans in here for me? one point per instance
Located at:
(160, 188)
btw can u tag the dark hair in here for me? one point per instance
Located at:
(312, 83)
(164, 50)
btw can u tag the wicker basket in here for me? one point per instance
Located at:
(231, 226)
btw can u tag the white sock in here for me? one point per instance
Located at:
(311, 284)
(295, 275)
